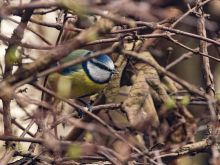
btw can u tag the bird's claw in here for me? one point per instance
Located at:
(88, 105)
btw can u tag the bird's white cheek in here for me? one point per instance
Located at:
(97, 73)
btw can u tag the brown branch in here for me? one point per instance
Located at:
(34, 32)
(186, 56)
(100, 41)
(25, 45)
(177, 31)
(188, 149)
(188, 12)
(57, 26)
(45, 12)
(93, 109)
(32, 5)
(62, 146)
(20, 139)
(208, 77)
(85, 110)
(194, 51)
(17, 35)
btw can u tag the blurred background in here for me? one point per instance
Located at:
(163, 50)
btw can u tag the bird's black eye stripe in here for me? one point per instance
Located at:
(100, 65)
(87, 54)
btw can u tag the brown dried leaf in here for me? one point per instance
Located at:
(139, 104)
(123, 149)
(113, 87)
(112, 94)
(152, 76)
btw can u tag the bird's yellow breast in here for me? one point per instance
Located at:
(74, 85)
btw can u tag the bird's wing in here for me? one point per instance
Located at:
(72, 56)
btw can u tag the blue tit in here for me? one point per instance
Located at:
(83, 79)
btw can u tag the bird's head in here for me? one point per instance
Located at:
(99, 69)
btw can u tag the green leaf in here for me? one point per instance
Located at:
(88, 137)
(13, 56)
(170, 103)
(79, 7)
(185, 101)
(74, 151)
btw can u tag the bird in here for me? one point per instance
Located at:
(84, 79)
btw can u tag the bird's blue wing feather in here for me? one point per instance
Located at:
(73, 56)
(69, 70)
(103, 58)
